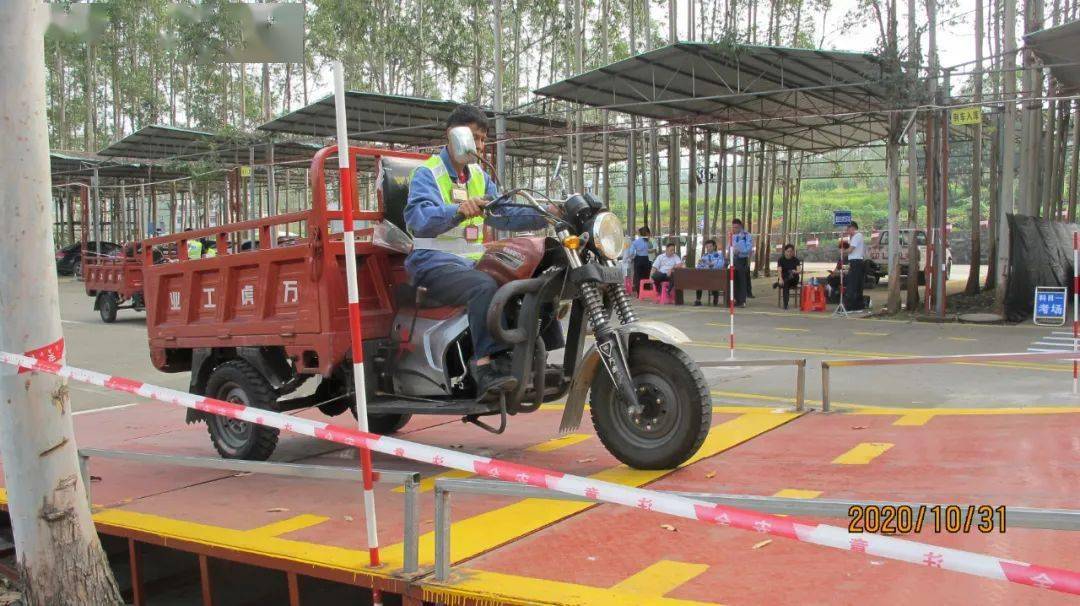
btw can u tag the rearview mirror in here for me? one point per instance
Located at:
(462, 145)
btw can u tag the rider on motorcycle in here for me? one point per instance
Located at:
(445, 214)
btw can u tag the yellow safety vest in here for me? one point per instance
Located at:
(194, 249)
(465, 240)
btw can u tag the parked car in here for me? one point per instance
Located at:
(878, 254)
(69, 258)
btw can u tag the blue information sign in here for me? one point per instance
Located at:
(841, 218)
(1050, 305)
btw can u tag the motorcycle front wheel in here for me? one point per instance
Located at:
(674, 412)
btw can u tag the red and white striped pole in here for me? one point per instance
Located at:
(731, 298)
(345, 191)
(1076, 309)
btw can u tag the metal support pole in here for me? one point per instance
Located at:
(442, 534)
(95, 212)
(412, 523)
(500, 117)
(271, 185)
(84, 472)
(800, 386)
(824, 387)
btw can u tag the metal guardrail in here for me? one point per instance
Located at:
(1017, 517)
(950, 359)
(408, 480)
(800, 377)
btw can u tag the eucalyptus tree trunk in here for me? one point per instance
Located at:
(61, 99)
(58, 556)
(90, 126)
(1008, 144)
(892, 163)
(1074, 176)
(912, 299)
(1030, 162)
(972, 286)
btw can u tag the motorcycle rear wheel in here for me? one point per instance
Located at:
(676, 408)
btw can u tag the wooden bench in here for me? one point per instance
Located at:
(685, 278)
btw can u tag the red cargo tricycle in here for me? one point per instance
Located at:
(252, 326)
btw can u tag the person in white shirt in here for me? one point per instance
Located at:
(664, 265)
(856, 276)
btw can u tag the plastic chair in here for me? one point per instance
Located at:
(796, 290)
(667, 296)
(647, 294)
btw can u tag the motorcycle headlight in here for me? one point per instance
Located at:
(607, 235)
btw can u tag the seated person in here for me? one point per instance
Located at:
(664, 265)
(445, 215)
(832, 282)
(788, 265)
(712, 259)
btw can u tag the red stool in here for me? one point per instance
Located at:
(628, 284)
(648, 294)
(667, 297)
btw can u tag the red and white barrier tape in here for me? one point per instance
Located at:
(990, 567)
(346, 195)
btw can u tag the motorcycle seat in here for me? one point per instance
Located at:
(430, 308)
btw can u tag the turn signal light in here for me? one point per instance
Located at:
(572, 242)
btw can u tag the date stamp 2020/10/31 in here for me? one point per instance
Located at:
(906, 519)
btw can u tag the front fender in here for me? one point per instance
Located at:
(590, 365)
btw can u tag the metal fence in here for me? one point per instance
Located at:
(798, 363)
(827, 365)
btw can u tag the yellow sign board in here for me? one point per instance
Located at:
(966, 115)
(245, 171)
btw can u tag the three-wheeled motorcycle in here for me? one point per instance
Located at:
(648, 400)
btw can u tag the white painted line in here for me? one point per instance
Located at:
(93, 410)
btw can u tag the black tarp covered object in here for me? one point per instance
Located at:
(1040, 254)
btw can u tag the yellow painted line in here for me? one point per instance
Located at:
(816, 316)
(428, 484)
(660, 578)
(863, 453)
(294, 523)
(832, 353)
(797, 493)
(786, 329)
(297, 551)
(863, 333)
(560, 442)
(863, 409)
(739, 410)
(485, 587)
(308, 554)
(488, 530)
(914, 419)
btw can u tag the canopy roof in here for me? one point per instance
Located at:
(804, 99)
(1057, 48)
(419, 123)
(77, 165)
(161, 142)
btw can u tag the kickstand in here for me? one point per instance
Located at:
(475, 419)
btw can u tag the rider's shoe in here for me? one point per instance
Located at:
(490, 381)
